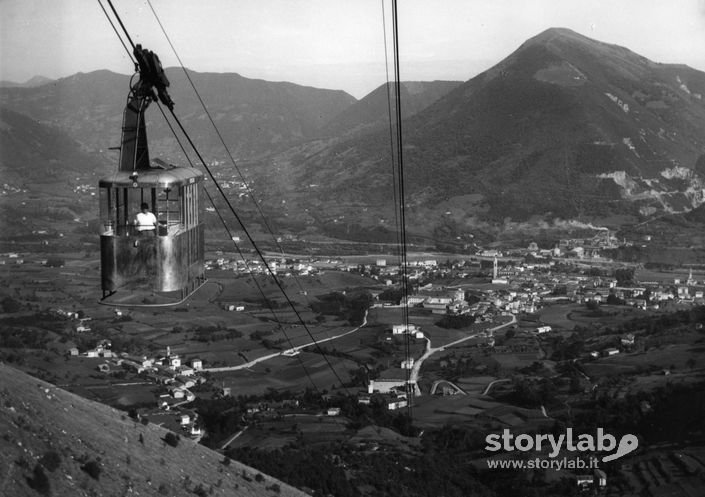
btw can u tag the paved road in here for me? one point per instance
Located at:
(492, 383)
(232, 439)
(291, 351)
(434, 387)
(416, 369)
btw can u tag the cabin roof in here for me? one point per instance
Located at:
(155, 177)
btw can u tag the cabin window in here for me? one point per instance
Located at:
(169, 207)
(107, 211)
(190, 205)
(119, 207)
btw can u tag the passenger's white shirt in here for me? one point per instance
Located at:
(145, 221)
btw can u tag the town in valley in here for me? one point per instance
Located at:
(529, 338)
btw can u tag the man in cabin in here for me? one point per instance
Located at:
(145, 221)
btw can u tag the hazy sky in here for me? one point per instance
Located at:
(335, 44)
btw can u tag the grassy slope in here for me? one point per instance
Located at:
(36, 417)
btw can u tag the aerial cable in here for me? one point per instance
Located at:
(237, 247)
(173, 132)
(117, 16)
(242, 256)
(388, 89)
(237, 217)
(259, 288)
(398, 192)
(210, 118)
(222, 141)
(402, 218)
(129, 54)
(259, 252)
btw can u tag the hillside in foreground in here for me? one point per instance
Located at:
(57, 443)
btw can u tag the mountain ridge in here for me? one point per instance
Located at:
(255, 116)
(30, 83)
(563, 127)
(373, 110)
(547, 132)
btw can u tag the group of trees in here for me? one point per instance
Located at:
(532, 394)
(220, 417)
(674, 414)
(209, 334)
(9, 305)
(351, 307)
(19, 333)
(311, 467)
(437, 466)
(456, 322)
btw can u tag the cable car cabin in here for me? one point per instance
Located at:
(152, 240)
(155, 258)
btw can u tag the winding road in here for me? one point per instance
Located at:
(416, 369)
(288, 352)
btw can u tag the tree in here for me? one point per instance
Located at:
(39, 481)
(93, 469)
(592, 305)
(625, 276)
(55, 262)
(172, 439)
(391, 295)
(10, 305)
(575, 386)
(51, 460)
(612, 299)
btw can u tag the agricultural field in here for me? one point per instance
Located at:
(284, 373)
(305, 428)
(302, 290)
(389, 316)
(568, 316)
(672, 357)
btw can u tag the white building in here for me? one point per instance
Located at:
(400, 329)
(397, 404)
(385, 386)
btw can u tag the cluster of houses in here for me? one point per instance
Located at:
(517, 297)
(440, 301)
(255, 266)
(80, 320)
(11, 258)
(650, 295)
(166, 370)
(390, 388)
(626, 343)
(8, 189)
(529, 283)
(85, 188)
(304, 267)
